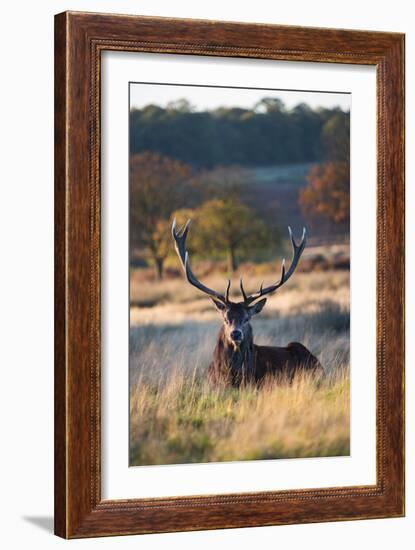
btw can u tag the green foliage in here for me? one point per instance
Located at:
(336, 137)
(226, 227)
(264, 135)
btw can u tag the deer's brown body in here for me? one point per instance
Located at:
(251, 364)
(236, 359)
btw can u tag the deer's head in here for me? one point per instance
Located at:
(236, 315)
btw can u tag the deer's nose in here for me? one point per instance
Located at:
(236, 335)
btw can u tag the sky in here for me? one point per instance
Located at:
(208, 98)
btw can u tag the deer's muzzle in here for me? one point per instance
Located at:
(237, 335)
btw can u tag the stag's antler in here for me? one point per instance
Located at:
(180, 246)
(297, 251)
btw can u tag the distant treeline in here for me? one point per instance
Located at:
(267, 134)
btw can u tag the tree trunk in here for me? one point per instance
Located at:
(232, 263)
(158, 268)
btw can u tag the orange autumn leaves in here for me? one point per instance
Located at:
(328, 191)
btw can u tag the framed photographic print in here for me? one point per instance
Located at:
(202, 381)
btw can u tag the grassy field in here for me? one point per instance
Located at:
(176, 417)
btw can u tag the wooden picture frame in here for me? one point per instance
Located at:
(79, 40)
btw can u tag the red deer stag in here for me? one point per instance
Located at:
(236, 359)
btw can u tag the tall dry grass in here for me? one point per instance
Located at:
(176, 417)
(185, 420)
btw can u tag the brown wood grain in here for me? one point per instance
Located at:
(60, 509)
(79, 40)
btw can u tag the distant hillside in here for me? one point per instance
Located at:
(274, 190)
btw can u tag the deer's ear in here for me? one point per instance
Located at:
(257, 308)
(218, 304)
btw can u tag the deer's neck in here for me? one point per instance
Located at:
(236, 362)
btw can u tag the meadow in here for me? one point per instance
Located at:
(177, 417)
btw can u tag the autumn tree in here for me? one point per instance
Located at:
(158, 186)
(228, 227)
(327, 193)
